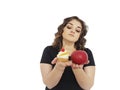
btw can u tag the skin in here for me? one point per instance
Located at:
(84, 77)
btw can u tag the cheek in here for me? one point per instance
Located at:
(77, 36)
(65, 32)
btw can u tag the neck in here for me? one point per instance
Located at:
(69, 46)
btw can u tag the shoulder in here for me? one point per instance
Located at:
(49, 54)
(48, 48)
(87, 49)
(89, 52)
(51, 48)
(90, 57)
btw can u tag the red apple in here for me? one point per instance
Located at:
(79, 57)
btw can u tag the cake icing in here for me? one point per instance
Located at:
(63, 55)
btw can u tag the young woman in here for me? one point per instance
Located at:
(59, 75)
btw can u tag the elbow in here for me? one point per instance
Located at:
(48, 84)
(49, 87)
(88, 86)
(91, 85)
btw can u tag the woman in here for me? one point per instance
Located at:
(59, 75)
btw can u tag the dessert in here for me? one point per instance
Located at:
(63, 55)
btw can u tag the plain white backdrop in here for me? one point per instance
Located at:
(28, 26)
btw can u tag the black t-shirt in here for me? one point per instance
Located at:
(67, 81)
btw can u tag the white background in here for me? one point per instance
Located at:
(28, 26)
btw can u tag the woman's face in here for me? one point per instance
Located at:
(72, 30)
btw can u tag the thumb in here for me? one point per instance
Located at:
(54, 61)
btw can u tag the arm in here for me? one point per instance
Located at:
(50, 76)
(85, 77)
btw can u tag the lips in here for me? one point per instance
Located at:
(71, 35)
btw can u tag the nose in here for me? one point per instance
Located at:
(72, 31)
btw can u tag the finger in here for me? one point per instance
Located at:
(77, 66)
(69, 63)
(54, 61)
(73, 66)
(88, 62)
(80, 66)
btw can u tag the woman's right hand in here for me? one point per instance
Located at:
(61, 65)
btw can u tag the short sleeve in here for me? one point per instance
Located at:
(46, 56)
(90, 58)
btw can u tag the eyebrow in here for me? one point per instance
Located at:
(77, 26)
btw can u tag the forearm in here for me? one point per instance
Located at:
(83, 79)
(53, 77)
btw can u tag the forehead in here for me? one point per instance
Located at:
(75, 22)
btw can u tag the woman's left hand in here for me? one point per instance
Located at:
(77, 66)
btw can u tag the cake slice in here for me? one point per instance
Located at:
(63, 55)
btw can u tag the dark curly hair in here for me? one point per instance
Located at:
(80, 43)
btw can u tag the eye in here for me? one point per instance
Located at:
(78, 31)
(69, 27)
